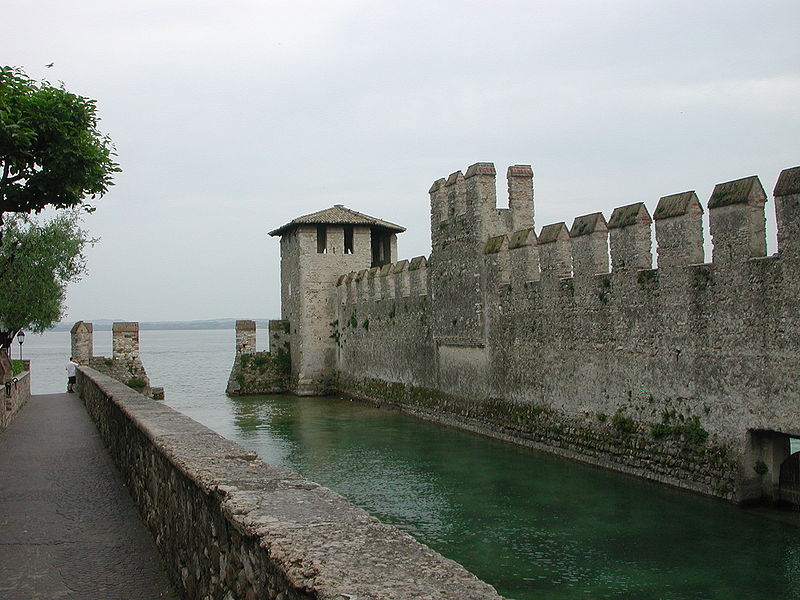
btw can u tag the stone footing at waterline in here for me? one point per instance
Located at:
(682, 456)
(260, 372)
(229, 525)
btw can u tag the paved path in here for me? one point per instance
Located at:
(68, 528)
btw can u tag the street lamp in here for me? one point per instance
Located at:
(20, 339)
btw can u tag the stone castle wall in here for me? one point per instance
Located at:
(570, 342)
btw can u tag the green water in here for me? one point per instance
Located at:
(532, 525)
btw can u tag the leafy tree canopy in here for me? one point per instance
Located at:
(37, 261)
(51, 152)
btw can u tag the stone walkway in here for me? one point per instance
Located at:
(68, 528)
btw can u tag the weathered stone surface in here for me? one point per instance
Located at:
(15, 390)
(229, 525)
(261, 372)
(668, 373)
(125, 365)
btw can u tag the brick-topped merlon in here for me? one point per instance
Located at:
(787, 211)
(125, 341)
(679, 230)
(245, 337)
(456, 193)
(439, 210)
(520, 196)
(279, 332)
(482, 198)
(630, 237)
(555, 252)
(589, 237)
(82, 341)
(523, 246)
(737, 222)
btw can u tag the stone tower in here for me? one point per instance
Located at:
(315, 250)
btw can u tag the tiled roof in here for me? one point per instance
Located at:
(336, 215)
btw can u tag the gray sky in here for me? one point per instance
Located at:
(232, 118)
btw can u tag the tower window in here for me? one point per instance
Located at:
(348, 239)
(322, 239)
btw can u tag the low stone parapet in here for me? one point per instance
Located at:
(15, 392)
(229, 525)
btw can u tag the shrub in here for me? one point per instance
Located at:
(622, 423)
(135, 382)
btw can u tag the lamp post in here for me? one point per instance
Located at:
(21, 340)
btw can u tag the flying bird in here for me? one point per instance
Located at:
(50, 65)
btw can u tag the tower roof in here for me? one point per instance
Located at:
(337, 215)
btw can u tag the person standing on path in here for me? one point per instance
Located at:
(71, 367)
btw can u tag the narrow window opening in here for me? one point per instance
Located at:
(322, 239)
(380, 242)
(348, 239)
(387, 250)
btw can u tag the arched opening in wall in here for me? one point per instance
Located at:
(789, 481)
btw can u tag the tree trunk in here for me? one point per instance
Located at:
(6, 337)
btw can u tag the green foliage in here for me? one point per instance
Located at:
(37, 261)
(51, 152)
(365, 324)
(602, 417)
(622, 423)
(135, 382)
(761, 468)
(676, 425)
(17, 367)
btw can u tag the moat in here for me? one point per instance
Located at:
(532, 525)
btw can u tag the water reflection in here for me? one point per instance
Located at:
(532, 525)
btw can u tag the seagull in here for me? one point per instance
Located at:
(50, 65)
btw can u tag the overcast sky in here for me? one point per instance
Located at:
(232, 118)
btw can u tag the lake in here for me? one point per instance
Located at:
(532, 525)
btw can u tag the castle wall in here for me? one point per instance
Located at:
(680, 374)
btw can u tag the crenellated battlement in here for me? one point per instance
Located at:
(610, 340)
(737, 223)
(464, 206)
(394, 280)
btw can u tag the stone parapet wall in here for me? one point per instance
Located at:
(231, 526)
(15, 393)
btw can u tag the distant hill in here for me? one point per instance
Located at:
(105, 324)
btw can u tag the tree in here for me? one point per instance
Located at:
(37, 261)
(51, 152)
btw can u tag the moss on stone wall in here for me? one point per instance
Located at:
(680, 454)
(261, 373)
